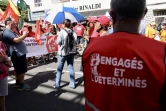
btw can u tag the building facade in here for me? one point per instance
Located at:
(156, 8)
(90, 8)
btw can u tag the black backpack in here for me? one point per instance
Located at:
(70, 44)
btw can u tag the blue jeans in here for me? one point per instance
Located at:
(61, 62)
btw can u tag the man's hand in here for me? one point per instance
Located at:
(9, 63)
(25, 33)
(21, 38)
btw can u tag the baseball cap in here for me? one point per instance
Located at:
(103, 20)
(92, 19)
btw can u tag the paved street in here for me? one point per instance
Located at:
(43, 97)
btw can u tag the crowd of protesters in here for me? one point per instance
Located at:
(156, 31)
(14, 40)
(83, 31)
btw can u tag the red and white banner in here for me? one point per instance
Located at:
(48, 45)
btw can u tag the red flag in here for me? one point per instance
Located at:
(1, 15)
(38, 33)
(60, 26)
(11, 11)
(41, 23)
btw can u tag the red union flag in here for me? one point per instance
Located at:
(11, 11)
(38, 33)
(51, 44)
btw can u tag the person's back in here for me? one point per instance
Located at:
(63, 40)
(126, 76)
(126, 72)
(63, 34)
(79, 29)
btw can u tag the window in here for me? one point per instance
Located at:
(59, 1)
(38, 14)
(159, 12)
(159, 15)
(158, 20)
(38, 3)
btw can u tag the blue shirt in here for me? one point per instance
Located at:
(20, 48)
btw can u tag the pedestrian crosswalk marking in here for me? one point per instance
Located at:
(79, 73)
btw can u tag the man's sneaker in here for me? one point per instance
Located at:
(55, 87)
(73, 87)
(25, 87)
(16, 85)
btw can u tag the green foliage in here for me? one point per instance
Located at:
(23, 9)
(24, 15)
(3, 4)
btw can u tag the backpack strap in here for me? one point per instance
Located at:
(65, 30)
(68, 31)
(163, 93)
(72, 32)
(6, 44)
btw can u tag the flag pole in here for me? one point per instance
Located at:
(20, 19)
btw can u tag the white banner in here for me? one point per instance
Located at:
(48, 46)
